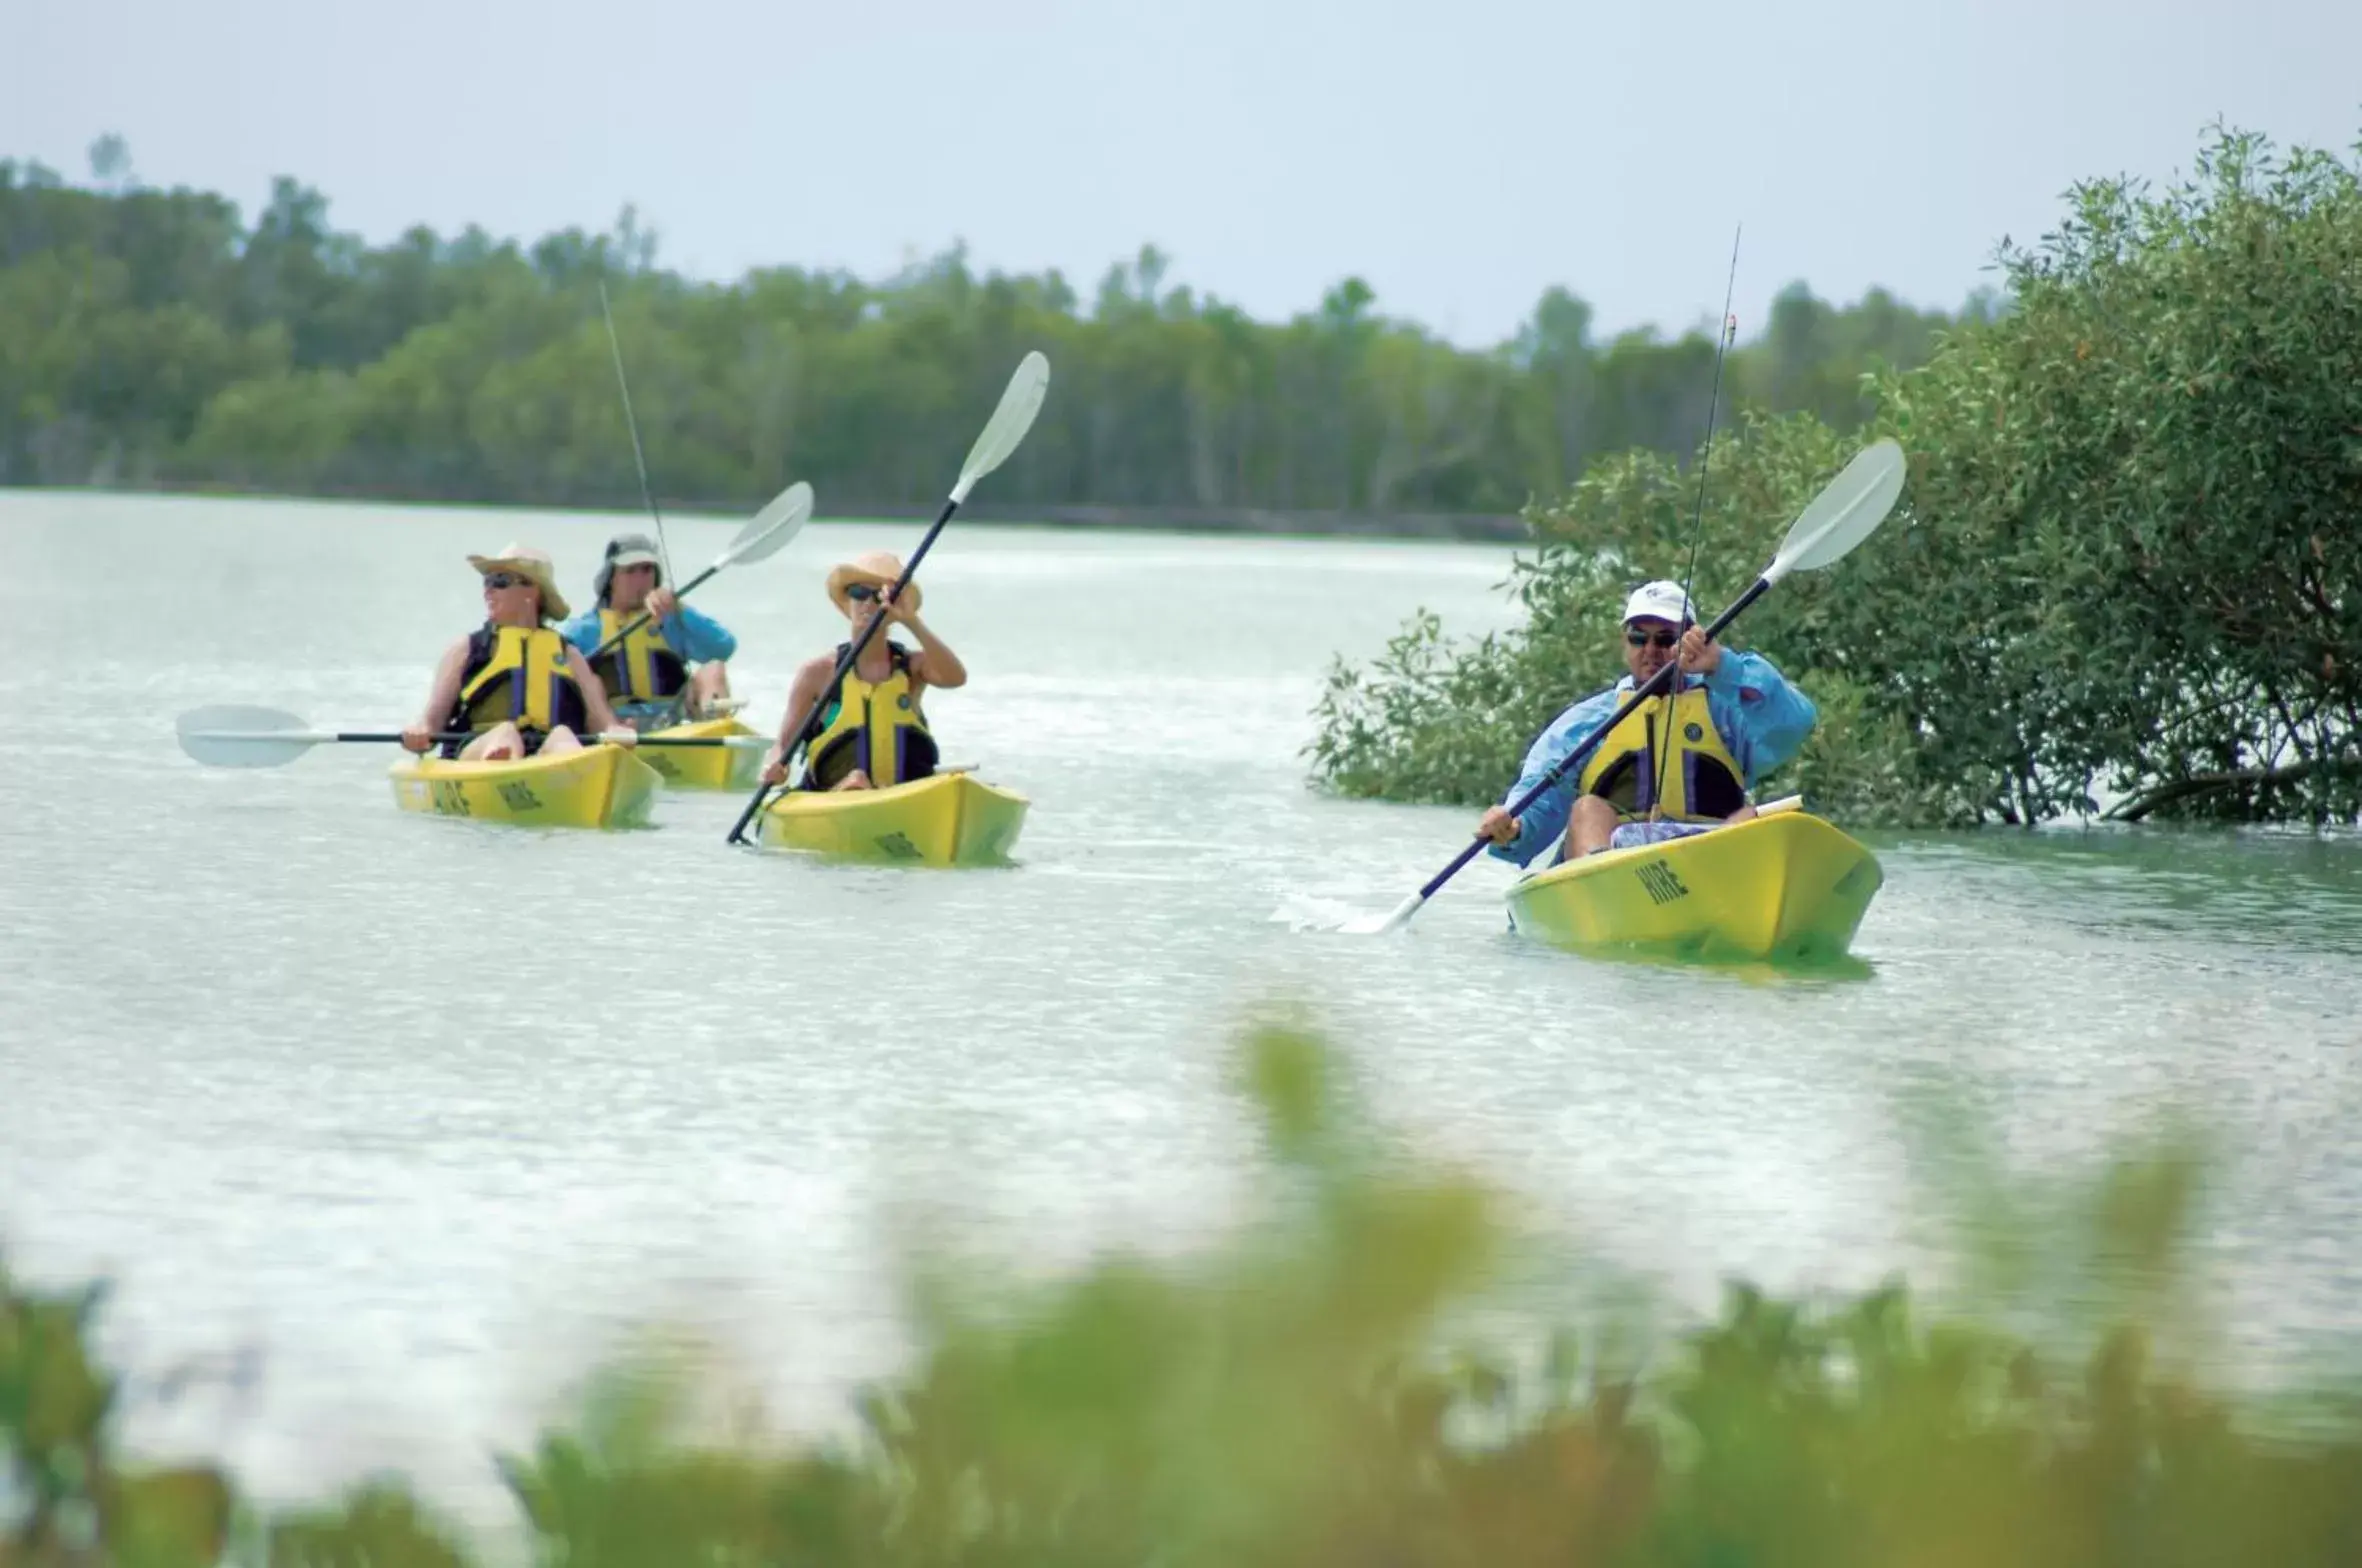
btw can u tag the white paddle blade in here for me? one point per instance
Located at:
(1019, 404)
(240, 737)
(1844, 514)
(1379, 925)
(772, 527)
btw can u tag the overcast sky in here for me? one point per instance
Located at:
(1459, 155)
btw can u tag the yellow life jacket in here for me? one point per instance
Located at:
(517, 674)
(1705, 782)
(886, 715)
(644, 668)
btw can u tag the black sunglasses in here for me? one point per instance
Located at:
(506, 580)
(861, 592)
(1643, 639)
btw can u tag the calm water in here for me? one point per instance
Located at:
(424, 1113)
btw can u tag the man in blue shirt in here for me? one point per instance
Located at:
(667, 671)
(1735, 719)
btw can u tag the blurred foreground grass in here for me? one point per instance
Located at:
(1287, 1398)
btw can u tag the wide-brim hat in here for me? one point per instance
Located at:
(526, 561)
(878, 568)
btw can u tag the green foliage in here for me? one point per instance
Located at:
(2126, 560)
(2149, 482)
(1291, 1395)
(147, 336)
(63, 1490)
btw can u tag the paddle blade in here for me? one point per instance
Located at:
(1844, 514)
(240, 737)
(1019, 404)
(771, 528)
(1379, 925)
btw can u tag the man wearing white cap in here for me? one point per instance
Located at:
(667, 670)
(1735, 719)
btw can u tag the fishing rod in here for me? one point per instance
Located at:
(632, 423)
(1730, 330)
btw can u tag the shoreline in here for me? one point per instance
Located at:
(1451, 527)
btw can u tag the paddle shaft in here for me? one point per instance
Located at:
(1640, 694)
(836, 677)
(451, 737)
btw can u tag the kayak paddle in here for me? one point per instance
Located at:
(1020, 402)
(243, 737)
(766, 535)
(1839, 518)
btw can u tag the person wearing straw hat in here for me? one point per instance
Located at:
(1735, 719)
(878, 701)
(514, 682)
(667, 670)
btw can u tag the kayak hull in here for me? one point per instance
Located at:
(948, 819)
(705, 767)
(596, 787)
(1784, 887)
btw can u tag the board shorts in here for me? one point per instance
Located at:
(1631, 835)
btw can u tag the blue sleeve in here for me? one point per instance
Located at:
(1543, 823)
(697, 636)
(1755, 707)
(582, 630)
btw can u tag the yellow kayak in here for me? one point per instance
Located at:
(1785, 885)
(596, 787)
(705, 767)
(947, 819)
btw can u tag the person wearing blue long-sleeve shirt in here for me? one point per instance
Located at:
(672, 668)
(1735, 720)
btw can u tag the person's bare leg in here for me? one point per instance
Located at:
(496, 744)
(1589, 826)
(709, 685)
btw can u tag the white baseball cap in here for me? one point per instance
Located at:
(1661, 601)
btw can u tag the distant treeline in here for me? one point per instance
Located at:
(151, 337)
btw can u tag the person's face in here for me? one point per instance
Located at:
(631, 585)
(861, 600)
(512, 598)
(1648, 646)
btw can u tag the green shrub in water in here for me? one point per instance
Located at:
(2128, 560)
(1439, 722)
(1286, 1398)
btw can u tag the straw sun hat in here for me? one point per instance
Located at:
(879, 569)
(527, 561)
